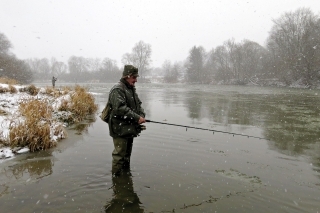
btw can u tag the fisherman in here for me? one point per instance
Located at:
(54, 81)
(126, 117)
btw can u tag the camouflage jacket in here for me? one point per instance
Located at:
(125, 111)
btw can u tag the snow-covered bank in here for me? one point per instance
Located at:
(10, 115)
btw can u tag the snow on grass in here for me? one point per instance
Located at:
(10, 115)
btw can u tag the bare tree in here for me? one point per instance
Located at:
(58, 67)
(250, 55)
(44, 67)
(166, 67)
(5, 44)
(78, 66)
(234, 56)
(94, 64)
(10, 65)
(127, 59)
(171, 71)
(109, 65)
(294, 40)
(34, 64)
(140, 57)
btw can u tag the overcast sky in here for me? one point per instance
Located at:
(103, 28)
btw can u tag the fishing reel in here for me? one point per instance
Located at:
(142, 127)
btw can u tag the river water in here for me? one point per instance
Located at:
(178, 169)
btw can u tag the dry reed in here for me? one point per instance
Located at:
(32, 90)
(12, 89)
(34, 132)
(81, 104)
(8, 81)
(3, 89)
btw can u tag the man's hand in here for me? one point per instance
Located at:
(141, 120)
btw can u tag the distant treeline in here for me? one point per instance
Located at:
(291, 55)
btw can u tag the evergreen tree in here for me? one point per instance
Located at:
(195, 65)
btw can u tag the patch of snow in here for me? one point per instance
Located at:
(6, 153)
(9, 105)
(23, 150)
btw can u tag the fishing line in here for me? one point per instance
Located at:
(211, 130)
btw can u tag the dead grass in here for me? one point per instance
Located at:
(34, 132)
(34, 109)
(12, 89)
(81, 104)
(3, 89)
(8, 81)
(64, 106)
(57, 92)
(3, 141)
(32, 90)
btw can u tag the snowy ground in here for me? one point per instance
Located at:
(9, 104)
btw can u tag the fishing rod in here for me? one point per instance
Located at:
(212, 130)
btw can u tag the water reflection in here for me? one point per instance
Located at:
(290, 121)
(29, 168)
(83, 127)
(32, 167)
(194, 104)
(124, 198)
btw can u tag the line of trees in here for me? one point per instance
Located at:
(291, 55)
(78, 69)
(10, 65)
(81, 69)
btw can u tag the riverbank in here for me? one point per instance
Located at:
(34, 118)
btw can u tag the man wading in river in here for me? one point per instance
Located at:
(125, 118)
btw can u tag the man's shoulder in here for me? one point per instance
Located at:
(118, 85)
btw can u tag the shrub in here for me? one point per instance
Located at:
(66, 89)
(3, 89)
(3, 140)
(64, 106)
(33, 109)
(34, 132)
(81, 104)
(34, 135)
(37, 126)
(49, 90)
(12, 89)
(57, 92)
(32, 90)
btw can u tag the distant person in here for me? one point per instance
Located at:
(125, 118)
(54, 81)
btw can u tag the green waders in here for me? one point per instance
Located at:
(121, 154)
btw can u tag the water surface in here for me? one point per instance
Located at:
(175, 169)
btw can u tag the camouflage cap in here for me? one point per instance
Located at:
(130, 70)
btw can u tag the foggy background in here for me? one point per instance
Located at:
(104, 33)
